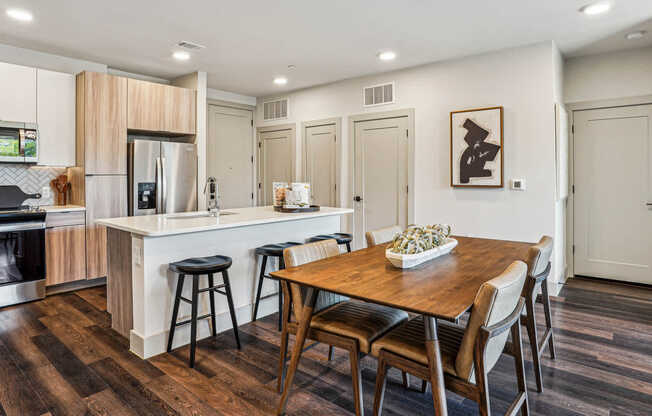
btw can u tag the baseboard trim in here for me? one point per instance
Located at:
(72, 286)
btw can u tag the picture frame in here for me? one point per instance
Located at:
(477, 148)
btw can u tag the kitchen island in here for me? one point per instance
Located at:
(140, 289)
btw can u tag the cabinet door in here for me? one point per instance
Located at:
(180, 109)
(106, 197)
(55, 103)
(104, 120)
(17, 93)
(146, 105)
(65, 254)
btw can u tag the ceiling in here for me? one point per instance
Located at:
(248, 43)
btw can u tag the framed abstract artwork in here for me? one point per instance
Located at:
(477, 148)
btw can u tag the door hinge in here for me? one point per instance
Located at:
(573, 129)
(259, 144)
(573, 188)
(259, 185)
(573, 248)
(336, 187)
(252, 195)
(407, 133)
(252, 158)
(252, 123)
(407, 189)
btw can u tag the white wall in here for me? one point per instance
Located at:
(519, 79)
(608, 76)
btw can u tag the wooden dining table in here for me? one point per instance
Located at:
(443, 288)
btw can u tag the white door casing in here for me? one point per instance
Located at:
(320, 157)
(230, 154)
(275, 160)
(380, 175)
(613, 177)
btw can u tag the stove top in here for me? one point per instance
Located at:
(21, 214)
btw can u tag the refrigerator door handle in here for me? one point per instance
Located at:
(159, 187)
(164, 182)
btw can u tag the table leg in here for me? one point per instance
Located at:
(304, 325)
(435, 366)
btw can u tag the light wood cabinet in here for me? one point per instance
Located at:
(18, 87)
(55, 103)
(65, 254)
(160, 108)
(106, 197)
(102, 124)
(180, 110)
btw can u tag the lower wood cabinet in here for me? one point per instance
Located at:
(65, 254)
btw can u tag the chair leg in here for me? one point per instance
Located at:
(229, 298)
(381, 382)
(356, 379)
(424, 386)
(406, 379)
(281, 266)
(531, 324)
(517, 348)
(285, 336)
(330, 353)
(261, 277)
(175, 310)
(545, 298)
(193, 319)
(348, 247)
(481, 380)
(211, 295)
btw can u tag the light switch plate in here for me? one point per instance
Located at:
(518, 184)
(46, 192)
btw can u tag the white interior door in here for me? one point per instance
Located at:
(275, 162)
(381, 179)
(230, 154)
(612, 214)
(321, 164)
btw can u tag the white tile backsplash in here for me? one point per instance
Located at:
(31, 179)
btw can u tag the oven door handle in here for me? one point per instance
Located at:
(22, 226)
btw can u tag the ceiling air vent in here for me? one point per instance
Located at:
(378, 94)
(275, 110)
(190, 45)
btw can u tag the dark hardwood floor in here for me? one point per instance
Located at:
(60, 357)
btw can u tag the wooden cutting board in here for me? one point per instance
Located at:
(12, 196)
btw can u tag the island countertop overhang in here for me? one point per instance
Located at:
(172, 224)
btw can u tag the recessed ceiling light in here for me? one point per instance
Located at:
(387, 56)
(20, 15)
(635, 35)
(596, 8)
(280, 80)
(291, 67)
(181, 55)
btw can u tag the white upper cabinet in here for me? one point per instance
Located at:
(17, 93)
(56, 118)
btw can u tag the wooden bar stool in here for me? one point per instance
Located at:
(197, 267)
(271, 250)
(341, 238)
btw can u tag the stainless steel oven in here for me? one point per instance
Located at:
(18, 142)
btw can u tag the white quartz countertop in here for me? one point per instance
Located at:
(191, 222)
(63, 208)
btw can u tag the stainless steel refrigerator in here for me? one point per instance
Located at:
(162, 177)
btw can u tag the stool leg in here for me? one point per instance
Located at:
(193, 319)
(229, 298)
(348, 247)
(281, 266)
(211, 295)
(175, 310)
(260, 286)
(546, 310)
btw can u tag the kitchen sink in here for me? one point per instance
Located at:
(187, 216)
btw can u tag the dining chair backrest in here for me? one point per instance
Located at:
(307, 253)
(495, 300)
(538, 256)
(382, 235)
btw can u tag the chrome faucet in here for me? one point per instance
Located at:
(211, 203)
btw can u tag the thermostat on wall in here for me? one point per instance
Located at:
(518, 184)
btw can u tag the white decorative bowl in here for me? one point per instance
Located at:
(406, 261)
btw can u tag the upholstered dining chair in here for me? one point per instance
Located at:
(467, 354)
(382, 235)
(337, 321)
(538, 265)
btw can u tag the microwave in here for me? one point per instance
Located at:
(18, 142)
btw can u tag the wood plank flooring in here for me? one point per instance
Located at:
(59, 356)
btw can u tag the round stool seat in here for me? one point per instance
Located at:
(201, 265)
(342, 238)
(275, 250)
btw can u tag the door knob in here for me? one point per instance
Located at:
(357, 199)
